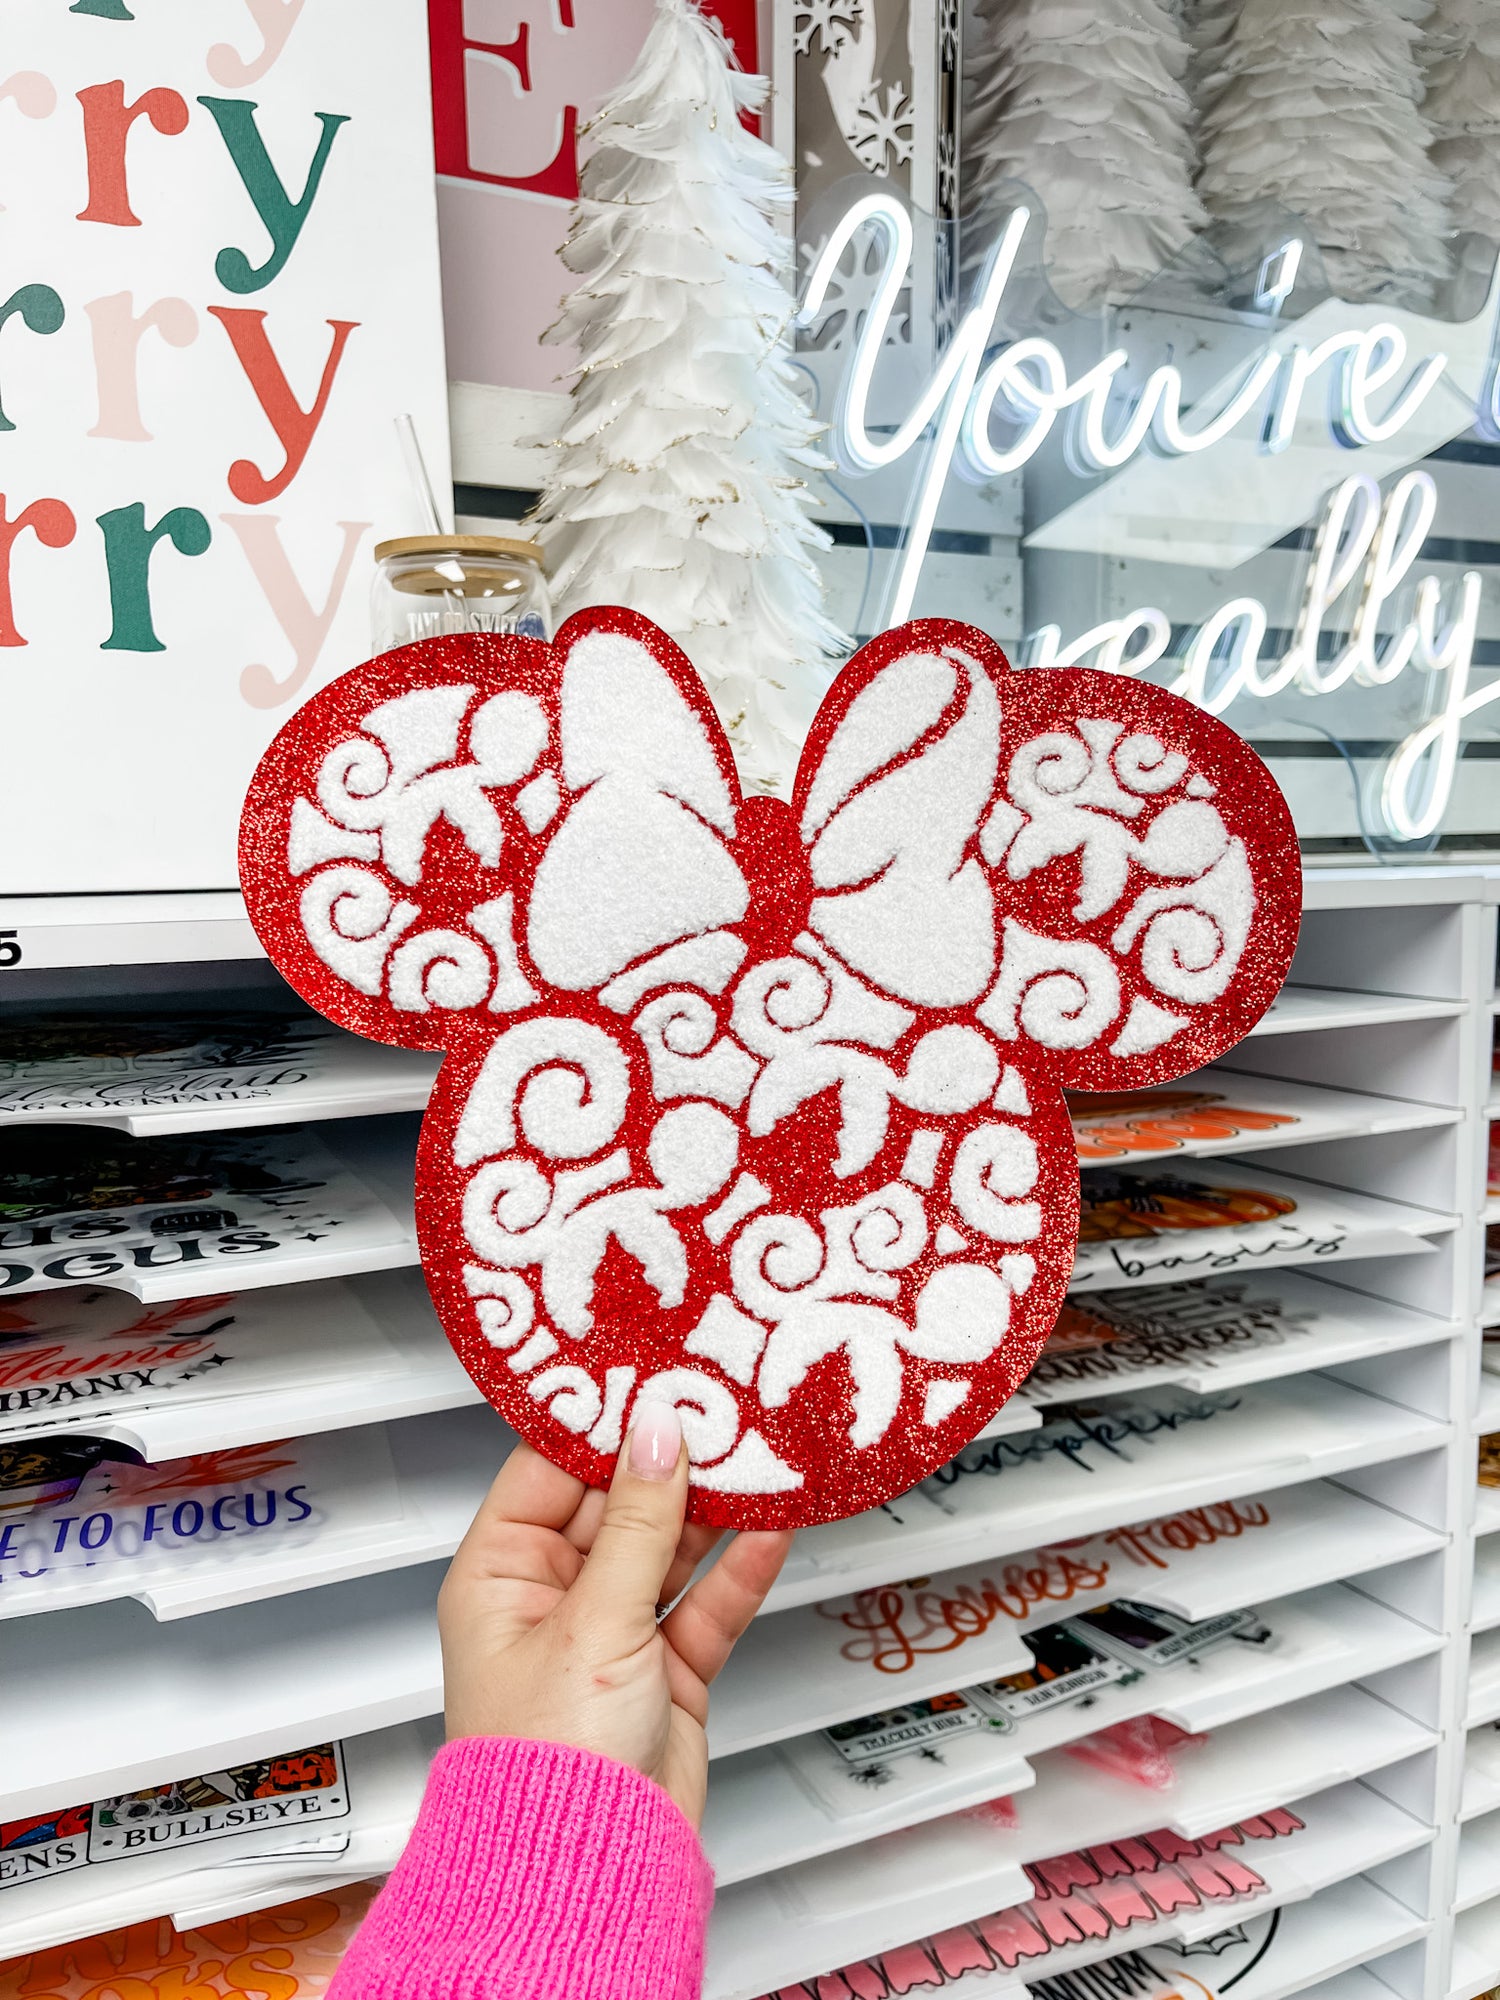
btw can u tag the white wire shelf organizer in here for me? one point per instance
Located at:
(1333, 1490)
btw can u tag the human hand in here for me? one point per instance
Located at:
(548, 1612)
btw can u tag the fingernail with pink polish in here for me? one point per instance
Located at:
(655, 1440)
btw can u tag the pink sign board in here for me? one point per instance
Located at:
(514, 82)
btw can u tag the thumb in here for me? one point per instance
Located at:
(642, 1522)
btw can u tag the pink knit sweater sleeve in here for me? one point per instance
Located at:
(536, 1872)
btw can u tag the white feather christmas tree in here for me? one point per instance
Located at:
(1462, 106)
(1084, 101)
(679, 489)
(1315, 105)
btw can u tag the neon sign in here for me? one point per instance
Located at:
(1358, 538)
(991, 417)
(1027, 386)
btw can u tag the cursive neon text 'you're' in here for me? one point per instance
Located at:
(1027, 380)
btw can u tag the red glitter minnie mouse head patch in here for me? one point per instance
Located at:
(755, 1106)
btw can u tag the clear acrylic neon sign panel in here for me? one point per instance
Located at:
(1164, 449)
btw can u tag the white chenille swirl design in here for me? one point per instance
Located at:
(560, 1084)
(439, 969)
(353, 781)
(774, 1259)
(994, 1168)
(352, 920)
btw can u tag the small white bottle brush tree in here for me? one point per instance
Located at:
(1316, 105)
(679, 487)
(1084, 101)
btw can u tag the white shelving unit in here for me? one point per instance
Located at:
(1473, 1880)
(1332, 1488)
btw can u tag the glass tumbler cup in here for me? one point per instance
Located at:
(430, 584)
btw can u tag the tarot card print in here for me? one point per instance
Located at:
(935, 1748)
(296, 1790)
(1069, 1666)
(43, 1845)
(1129, 1631)
(910, 1727)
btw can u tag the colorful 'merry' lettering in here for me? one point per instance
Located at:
(282, 216)
(120, 136)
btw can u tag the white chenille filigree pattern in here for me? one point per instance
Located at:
(757, 1107)
(376, 798)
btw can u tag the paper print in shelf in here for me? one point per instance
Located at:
(895, 1626)
(79, 1503)
(169, 1217)
(175, 1072)
(71, 1358)
(1112, 1125)
(65, 1354)
(280, 1801)
(756, 1105)
(1111, 1336)
(905, 1753)
(1067, 1665)
(1115, 1206)
(960, 1739)
(1209, 1966)
(1152, 1222)
(1085, 1436)
(1148, 1637)
(1096, 1893)
(62, 1066)
(220, 1962)
(1489, 1459)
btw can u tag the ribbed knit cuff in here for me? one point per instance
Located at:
(536, 1872)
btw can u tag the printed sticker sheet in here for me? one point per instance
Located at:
(1159, 1222)
(79, 1357)
(218, 1962)
(170, 1218)
(70, 1505)
(284, 1805)
(183, 1072)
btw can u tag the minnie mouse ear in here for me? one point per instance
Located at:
(1103, 875)
(384, 836)
(450, 832)
(1146, 876)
